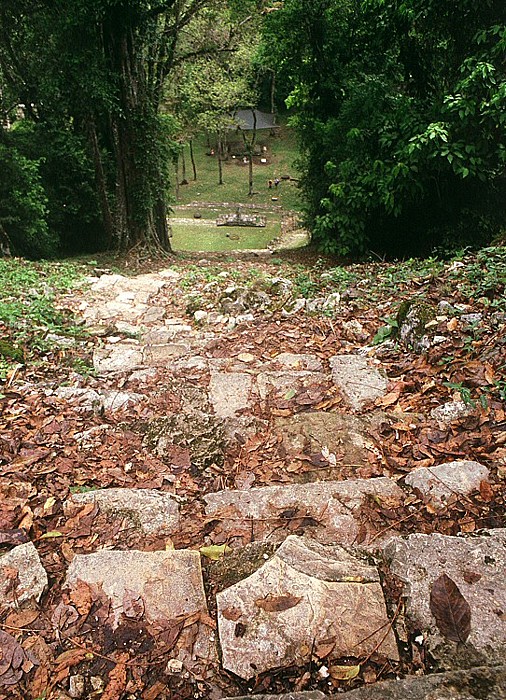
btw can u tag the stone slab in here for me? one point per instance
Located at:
(439, 483)
(304, 695)
(345, 435)
(160, 355)
(303, 361)
(329, 510)
(480, 683)
(286, 380)
(229, 392)
(169, 583)
(477, 565)
(31, 579)
(151, 511)
(451, 411)
(351, 611)
(359, 381)
(122, 357)
(91, 400)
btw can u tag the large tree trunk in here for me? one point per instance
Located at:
(140, 215)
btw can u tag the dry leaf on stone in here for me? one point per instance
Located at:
(133, 605)
(277, 603)
(232, 614)
(82, 597)
(451, 609)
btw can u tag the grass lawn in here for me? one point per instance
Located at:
(206, 236)
(280, 155)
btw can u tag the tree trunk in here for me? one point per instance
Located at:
(220, 160)
(273, 96)
(184, 181)
(101, 184)
(140, 217)
(192, 158)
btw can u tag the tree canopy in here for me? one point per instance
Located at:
(400, 111)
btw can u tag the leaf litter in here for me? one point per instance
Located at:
(43, 459)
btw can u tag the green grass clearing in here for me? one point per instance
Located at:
(209, 237)
(281, 154)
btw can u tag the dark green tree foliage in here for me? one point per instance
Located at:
(92, 72)
(401, 113)
(23, 206)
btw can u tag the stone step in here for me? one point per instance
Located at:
(480, 683)
(328, 510)
(476, 564)
(305, 596)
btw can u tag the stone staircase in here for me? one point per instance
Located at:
(297, 574)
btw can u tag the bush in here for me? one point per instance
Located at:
(23, 206)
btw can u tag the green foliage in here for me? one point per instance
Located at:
(399, 107)
(23, 206)
(27, 307)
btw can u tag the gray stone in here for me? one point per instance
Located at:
(413, 319)
(345, 435)
(90, 400)
(304, 695)
(476, 564)
(451, 411)
(168, 584)
(327, 509)
(229, 392)
(86, 399)
(286, 381)
(293, 307)
(480, 683)
(357, 379)
(151, 511)
(439, 483)
(153, 314)
(203, 434)
(160, 355)
(76, 686)
(332, 601)
(292, 361)
(31, 580)
(122, 357)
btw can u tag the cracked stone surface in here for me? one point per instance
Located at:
(31, 580)
(229, 392)
(439, 483)
(271, 638)
(476, 564)
(480, 683)
(123, 357)
(91, 400)
(307, 362)
(169, 583)
(328, 509)
(284, 381)
(151, 511)
(359, 381)
(344, 435)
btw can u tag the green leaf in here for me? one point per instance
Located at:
(215, 551)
